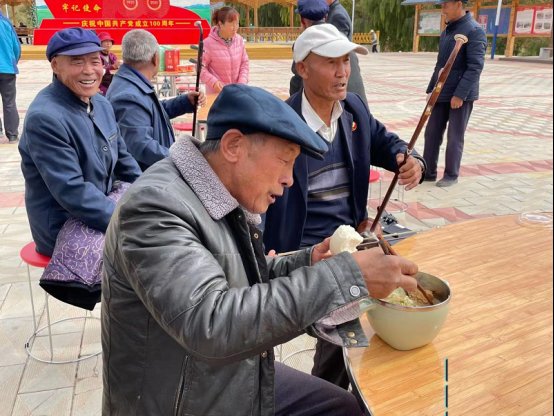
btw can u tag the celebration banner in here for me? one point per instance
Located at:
(170, 24)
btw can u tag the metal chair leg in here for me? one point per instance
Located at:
(49, 326)
(32, 299)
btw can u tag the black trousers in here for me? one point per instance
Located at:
(457, 121)
(300, 394)
(11, 116)
(329, 364)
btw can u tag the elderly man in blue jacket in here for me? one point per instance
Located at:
(461, 89)
(71, 149)
(143, 119)
(332, 192)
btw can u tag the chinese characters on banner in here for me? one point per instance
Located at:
(169, 24)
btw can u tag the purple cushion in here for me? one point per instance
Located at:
(74, 273)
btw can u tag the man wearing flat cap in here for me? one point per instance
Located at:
(332, 192)
(71, 149)
(460, 91)
(192, 308)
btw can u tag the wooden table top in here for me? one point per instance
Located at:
(497, 338)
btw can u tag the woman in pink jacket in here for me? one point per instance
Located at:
(225, 60)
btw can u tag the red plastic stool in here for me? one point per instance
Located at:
(182, 126)
(375, 176)
(32, 258)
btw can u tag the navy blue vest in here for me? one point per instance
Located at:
(329, 193)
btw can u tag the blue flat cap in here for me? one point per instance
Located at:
(312, 9)
(73, 41)
(254, 110)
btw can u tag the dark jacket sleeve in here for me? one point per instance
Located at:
(58, 164)
(475, 61)
(177, 106)
(135, 122)
(338, 17)
(126, 168)
(342, 22)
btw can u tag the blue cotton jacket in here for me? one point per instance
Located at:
(69, 159)
(368, 142)
(10, 49)
(463, 81)
(143, 119)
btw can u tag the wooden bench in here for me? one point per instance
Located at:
(25, 33)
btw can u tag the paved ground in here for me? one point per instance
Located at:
(507, 168)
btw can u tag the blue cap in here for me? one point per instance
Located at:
(254, 110)
(73, 41)
(312, 9)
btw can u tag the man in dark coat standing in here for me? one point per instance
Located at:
(461, 89)
(339, 17)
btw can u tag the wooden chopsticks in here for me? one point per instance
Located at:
(389, 251)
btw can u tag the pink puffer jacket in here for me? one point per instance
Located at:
(228, 64)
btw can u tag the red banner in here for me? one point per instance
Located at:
(170, 24)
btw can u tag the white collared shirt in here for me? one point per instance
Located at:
(317, 124)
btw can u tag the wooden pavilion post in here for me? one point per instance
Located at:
(256, 15)
(475, 9)
(291, 15)
(510, 42)
(416, 27)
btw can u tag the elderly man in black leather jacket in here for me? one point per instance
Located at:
(460, 90)
(191, 306)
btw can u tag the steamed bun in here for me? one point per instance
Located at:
(345, 238)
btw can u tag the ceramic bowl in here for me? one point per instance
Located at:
(408, 327)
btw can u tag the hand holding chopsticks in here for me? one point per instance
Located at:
(389, 251)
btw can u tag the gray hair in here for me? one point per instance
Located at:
(209, 146)
(212, 145)
(138, 46)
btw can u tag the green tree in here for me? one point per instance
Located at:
(394, 22)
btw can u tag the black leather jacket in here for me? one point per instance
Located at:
(188, 321)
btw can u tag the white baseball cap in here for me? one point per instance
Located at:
(324, 40)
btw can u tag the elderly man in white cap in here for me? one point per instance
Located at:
(332, 192)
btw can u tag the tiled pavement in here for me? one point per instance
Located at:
(507, 168)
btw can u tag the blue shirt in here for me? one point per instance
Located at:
(10, 49)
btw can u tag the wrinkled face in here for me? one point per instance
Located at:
(228, 29)
(324, 77)
(451, 10)
(81, 74)
(107, 44)
(263, 172)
